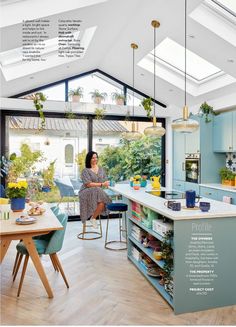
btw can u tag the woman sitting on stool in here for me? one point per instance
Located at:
(92, 197)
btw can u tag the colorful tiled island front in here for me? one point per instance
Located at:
(203, 248)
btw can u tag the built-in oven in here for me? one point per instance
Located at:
(192, 167)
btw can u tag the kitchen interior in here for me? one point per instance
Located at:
(192, 116)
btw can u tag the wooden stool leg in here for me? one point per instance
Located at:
(55, 257)
(15, 263)
(17, 267)
(23, 274)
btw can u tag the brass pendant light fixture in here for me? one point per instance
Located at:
(184, 124)
(156, 130)
(134, 134)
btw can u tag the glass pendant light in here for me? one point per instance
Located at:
(134, 134)
(184, 124)
(156, 130)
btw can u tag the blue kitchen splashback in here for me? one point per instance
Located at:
(231, 161)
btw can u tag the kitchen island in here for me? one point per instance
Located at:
(204, 250)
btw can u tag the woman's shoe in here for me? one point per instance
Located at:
(93, 221)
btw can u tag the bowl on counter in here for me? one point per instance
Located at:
(204, 206)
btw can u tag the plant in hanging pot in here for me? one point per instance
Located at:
(16, 192)
(227, 176)
(118, 98)
(76, 94)
(97, 96)
(206, 110)
(99, 113)
(148, 106)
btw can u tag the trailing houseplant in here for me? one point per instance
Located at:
(167, 254)
(206, 110)
(38, 99)
(76, 94)
(147, 105)
(98, 96)
(227, 176)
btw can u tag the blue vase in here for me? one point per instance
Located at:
(17, 204)
(143, 183)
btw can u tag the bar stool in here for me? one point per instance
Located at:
(81, 235)
(120, 207)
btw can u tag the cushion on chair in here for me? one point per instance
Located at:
(40, 245)
(117, 207)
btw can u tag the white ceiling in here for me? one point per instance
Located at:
(119, 23)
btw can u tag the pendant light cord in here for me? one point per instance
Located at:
(154, 81)
(133, 81)
(185, 54)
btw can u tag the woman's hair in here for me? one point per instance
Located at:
(88, 158)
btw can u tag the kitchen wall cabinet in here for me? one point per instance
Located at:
(197, 142)
(179, 156)
(224, 132)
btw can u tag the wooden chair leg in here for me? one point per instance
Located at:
(17, 267)
(53, 262)
(23, 274)
(15, 263)
(60, 268)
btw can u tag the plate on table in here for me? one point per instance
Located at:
(38, 213)
(25, 220)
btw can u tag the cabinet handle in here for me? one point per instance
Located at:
(183, 166)
(208, 193)
(230, 147)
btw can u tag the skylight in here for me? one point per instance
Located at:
(13, 67)
(170, 53)
(229, 5)
(14, 12)
(212, 15)
(202, 76)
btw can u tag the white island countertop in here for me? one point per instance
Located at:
(156, 203)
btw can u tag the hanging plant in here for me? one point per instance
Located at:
(38, 98)
(99, 113)
(147, 105)
(206, 110)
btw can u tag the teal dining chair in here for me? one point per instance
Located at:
(46, 244)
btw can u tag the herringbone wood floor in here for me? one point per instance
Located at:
(105, 289)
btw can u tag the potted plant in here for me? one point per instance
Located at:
(118, 98)
(76, 94)
(97, 96)
(147, 105)
(16, 192)
(206, 110)
(48, 176)
(227, 176)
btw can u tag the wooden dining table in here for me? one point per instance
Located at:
(10, 231)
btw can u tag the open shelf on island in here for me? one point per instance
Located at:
(147, 251)
(154, 281)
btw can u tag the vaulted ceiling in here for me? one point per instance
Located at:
(118, 23)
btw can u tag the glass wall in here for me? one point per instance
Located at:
(48, 156)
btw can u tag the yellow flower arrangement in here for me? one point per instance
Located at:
(17, 189)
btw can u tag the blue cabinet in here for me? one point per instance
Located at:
(179, 185)
(179, 156)
(217, 194)
(208, 192)
(224, 132)
(192, 142)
